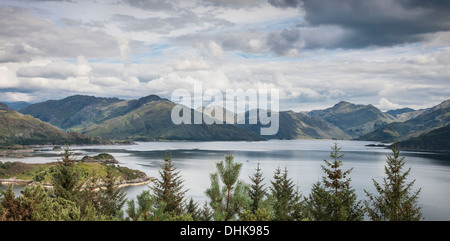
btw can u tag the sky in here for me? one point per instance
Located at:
(389, 53)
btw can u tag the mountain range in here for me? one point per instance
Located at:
(149, 118)
(145, 119)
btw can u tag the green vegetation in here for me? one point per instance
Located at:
(394, 201)
(297, 125)
(435, 140)
(145, 119)
(355, 120)
(422, 123)
(44, 172)
(102, 157)
(17, 130)
(170, 188)
(73, 198)
(333, 199)
(77, 196)
(229, 200)
(149, 119)
(287, 205)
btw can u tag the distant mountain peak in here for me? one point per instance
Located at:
(342, 104)
(443, 104)
(134, 104)
(149, 98)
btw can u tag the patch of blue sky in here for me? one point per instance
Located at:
(153, 51)
(107, 61)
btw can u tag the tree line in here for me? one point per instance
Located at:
(229, 198)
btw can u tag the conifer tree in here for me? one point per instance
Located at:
(66, 181)
(69, 185)
(169, 189)
(261, 207)
(148, 208)
(10, 206)
(257, 191)
(287, 204)
(334, 199)
(394, 201)
(227, 201)
(205, 213)
(36, 204)
(193, 210)
(111, 198)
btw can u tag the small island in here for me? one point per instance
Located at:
(19, 173)
(102, 158)
(378, 145)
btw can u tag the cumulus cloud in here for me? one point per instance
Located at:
(190, 62)
(53, 70)
(285, 42)
(315, 52)
(15, 96)
(17, 52)
(33, 36)
(384, 104)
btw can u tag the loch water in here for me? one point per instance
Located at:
(302, 158)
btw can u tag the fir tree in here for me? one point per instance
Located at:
(193, 210)
(169, 189)
(66, 181)
(261, 207)
(394, 201)
(229, 200)
(10, 206)
(111, 198)
(205, 213)
(287, 205)
(334, 199)
(257, 191)
(69, 185)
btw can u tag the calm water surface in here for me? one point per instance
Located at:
(302, 158)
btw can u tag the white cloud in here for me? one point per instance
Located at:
(129, 49)
(15, 96)
(215, 50)
(189, 62)
(384, 104)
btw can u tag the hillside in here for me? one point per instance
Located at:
(70, 111)
(152, 121)
(429, 119)
(147, 118)
(17, 105)
(355, 120)
(19, 129)
(397, 112)
(296, 125)
(435, 140)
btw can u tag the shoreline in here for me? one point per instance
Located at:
(120, 184)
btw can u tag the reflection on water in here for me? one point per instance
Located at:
(302, 158)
